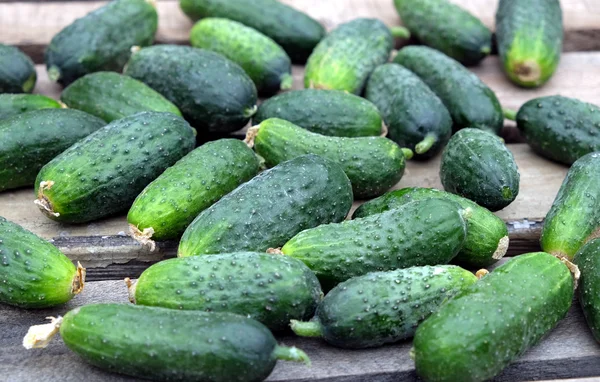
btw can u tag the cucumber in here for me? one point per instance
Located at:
(213, 93)
(471, 103)
(101, 40)
(478, 166)
(293, 30)
(17, 71)
(32, 139)
(373, 164)
(487, 235)
(588, 261)
(446, 27)
(424, 232)
(34, 273)
(327, 112)
(415, 117)
(15, 104)
(529, 35)
(383, 307)
(169, 204)
(103, 173)
(271, 208)
(481, 330)
(111, 96)
(264, 61)
(574, 217)
(268, 288)
(560, 128)
(169, 344)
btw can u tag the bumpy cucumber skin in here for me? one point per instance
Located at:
(294, 31)
(373, 164)
(529, 35)
(213, 93)
(103, 173)
(194, 183)
(15, 104)
(35, 273)
(345, 58)
(17, 71)
(32, 139)
(170, 345)
(560, 128)
(481, 330)
(478, 166)
(424, 232)
(471, 103)
(111, 96)
(574, 217)
(588, 261)
(271, 208)
(487, 235)
(446, 27)
(409, 108)
(271, 289)
(327, 112)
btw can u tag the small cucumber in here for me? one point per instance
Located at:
(34, 273)
(15, 104)
(588, 261)
(476, 334)
(17, 71)
(478, 166)
(383, 307)
(103, 173)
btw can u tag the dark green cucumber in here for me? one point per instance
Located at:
(263, 60)
(103, 173)
(295, 31)
(476, 334)
(213, 93)
(560, 128)
(487, 235)
(17, 71)
(111, 96)
(373, 164)
(529, 35)
(15, 104)
(101, 40)
(383, 307)
(471, 103)
(415, 117)
(574, 217)
(328, 112)
(32, 139)
(424, 232)
(271, 289)
(271, 208)
(169, 204)
(588, 261)
(478, 166)
(34, 273)
(446, 27)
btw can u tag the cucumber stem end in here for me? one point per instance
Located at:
(501, 249)
(510, 114)
(144, 236)
(400, 32)
(287, 81)
(250, 135)
(291, 354)
(78, 280)
(39, 336)
(426, 144)
(306, 328)
(408, 153)
(131, 286)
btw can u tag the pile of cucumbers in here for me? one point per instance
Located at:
(267, 241)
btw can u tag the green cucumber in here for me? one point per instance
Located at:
(15, 104)
(476, 334)
(478, 166)
(34, 273)
(32, 139)
(213, 93)
(103, 173)
(101, 40)
(328, 112)
(383, 307)
(415, 117)
(588, 261)
(111, 96)
(169, 344)
(487, 235)
(17, 71)
(269, 288)
(529, 35)
(169, 204)
(471, 103)
(271, 208)
(373, 164)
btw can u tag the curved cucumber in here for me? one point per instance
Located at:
(17, 71)
(588, 261)
(15, 104)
